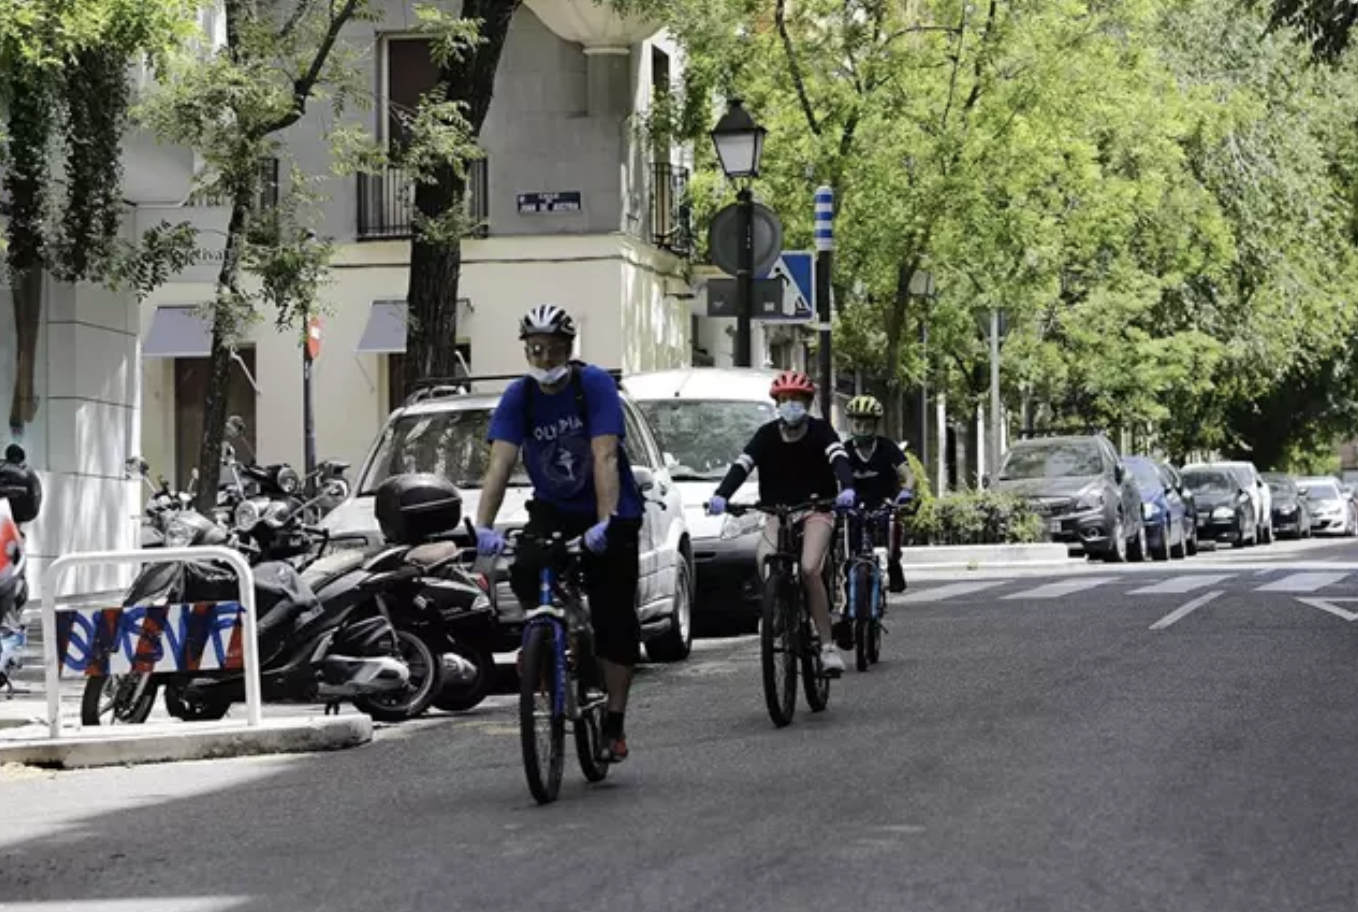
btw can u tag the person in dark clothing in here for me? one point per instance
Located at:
(799, 458)
(881, 474)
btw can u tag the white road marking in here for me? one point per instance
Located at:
(1184, 610)
(1057, 590)
(1179, 585)
(939, 593)
(1330, 606)
(1302, 582)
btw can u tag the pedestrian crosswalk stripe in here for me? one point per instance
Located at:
(939, 593)
(1058, 589)
(1302, 582)
(1178, 585)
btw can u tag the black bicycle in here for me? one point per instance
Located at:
(559, 677)
(866, 601)
(787, 635)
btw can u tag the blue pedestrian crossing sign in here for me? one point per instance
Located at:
(796, 271)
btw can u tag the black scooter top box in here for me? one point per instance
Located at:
(411, 509)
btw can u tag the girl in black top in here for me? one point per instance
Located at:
(799, 458)
(881, 473)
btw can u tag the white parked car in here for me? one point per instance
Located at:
(444, 432)
(702, 418)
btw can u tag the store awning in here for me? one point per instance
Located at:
(178, 332)
(385, 333)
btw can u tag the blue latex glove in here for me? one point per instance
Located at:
(488, 541)
(596, 538)
(905, 497)
(846, 499)
(716, 506)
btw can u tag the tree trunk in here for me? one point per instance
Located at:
(27, 295)
(436, 269)
(226, 319)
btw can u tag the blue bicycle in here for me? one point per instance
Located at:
(866, 601)
(559, 677)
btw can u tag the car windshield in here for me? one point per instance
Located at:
(1146, 475)
(1053, 460)
(1280, 488)
(1201, 481)
(449, 443)
(704, 436)
(1323, 491)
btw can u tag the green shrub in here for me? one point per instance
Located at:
(973, 518)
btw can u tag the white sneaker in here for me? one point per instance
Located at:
(830, 661)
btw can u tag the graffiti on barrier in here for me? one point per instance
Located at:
(164, 638)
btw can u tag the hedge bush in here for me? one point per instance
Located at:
(972, 518)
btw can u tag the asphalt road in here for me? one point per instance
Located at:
(1165, 737)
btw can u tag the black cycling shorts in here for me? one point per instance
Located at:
(610, 578)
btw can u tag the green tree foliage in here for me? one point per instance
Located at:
(66, 97)
(1156, 193)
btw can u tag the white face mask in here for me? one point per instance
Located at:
(548, 377)
(792, 413)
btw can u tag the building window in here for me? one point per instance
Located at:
(411, 72)
(190, 392)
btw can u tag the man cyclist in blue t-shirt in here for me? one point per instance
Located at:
(567, 419)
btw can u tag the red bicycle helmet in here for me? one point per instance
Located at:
(792, 382)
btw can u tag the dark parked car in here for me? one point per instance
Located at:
(1291, 511)
(1225, 508)
(1082, 491)
(1170, 530)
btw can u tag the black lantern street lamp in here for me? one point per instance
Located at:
(740, 145)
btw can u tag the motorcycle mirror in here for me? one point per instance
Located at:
(337, 489)
(235, 426)
(135, 466)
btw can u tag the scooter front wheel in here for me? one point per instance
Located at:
(123, 699)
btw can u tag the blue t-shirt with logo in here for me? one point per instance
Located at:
(557, 455)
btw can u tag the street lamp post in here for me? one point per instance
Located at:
(740, 145)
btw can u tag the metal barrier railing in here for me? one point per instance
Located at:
(245, 579)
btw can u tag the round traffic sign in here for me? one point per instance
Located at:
(313, 338)
(723, 239)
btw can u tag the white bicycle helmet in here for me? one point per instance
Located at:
(547, 320)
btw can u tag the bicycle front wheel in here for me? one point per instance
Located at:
(542, 713)
(863, 621)
(778, 650)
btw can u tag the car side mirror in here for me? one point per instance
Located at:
(670, 461)
(1119, 473)
(645, 478)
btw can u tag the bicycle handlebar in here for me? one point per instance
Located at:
(739, 509)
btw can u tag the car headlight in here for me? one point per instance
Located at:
(1090, 501)
(1223, 513)
(1149, 511)
(289, 482)
(178, 534)
(736, 526)
(1287, 510)
(247, 515)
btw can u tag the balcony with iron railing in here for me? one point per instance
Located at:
(671, 227)
(386, 202)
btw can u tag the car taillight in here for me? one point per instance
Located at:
(482, 581)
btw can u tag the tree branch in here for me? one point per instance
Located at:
(298, 13)
(794, 69)
(303, 87)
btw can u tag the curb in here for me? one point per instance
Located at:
(976, 557)
(178, 741)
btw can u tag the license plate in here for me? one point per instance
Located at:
(1054, 525)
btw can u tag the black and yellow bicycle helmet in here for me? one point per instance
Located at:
(864, 407)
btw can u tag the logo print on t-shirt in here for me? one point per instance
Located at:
(567, 465)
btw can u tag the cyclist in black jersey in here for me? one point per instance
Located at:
(881, 473)
(799, 458)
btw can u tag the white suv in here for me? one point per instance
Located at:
(443, 431)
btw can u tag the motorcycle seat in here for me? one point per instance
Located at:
(426, 556)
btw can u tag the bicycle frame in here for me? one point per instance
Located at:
(557, 608)
(865, 553)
